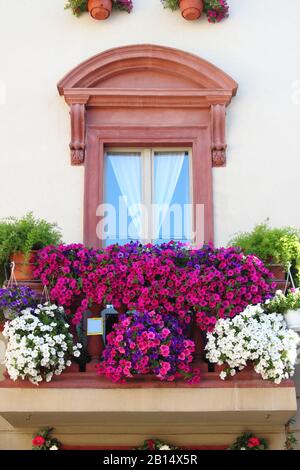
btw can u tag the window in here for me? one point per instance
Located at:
(147, 195)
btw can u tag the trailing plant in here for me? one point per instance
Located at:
(211, 283)
(290, 439)
(156, 444)
(171, 4)
(26, 234)
(39, 344)
(216, 10)
(77, 6)
(148, 343)
(272, 245)
(281, 302)
(43, 440)
(15, 299)
(249, 441)
(81, 6)
(256, 337)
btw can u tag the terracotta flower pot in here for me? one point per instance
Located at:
(191, 9)
(278, 270)
(24, 266)
(100, 9)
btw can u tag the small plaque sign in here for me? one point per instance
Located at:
(94, 326)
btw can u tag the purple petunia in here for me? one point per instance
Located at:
(15, 299)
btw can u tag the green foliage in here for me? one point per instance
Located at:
(248, 441)
(291, 440)
(272, 245)
(81, 6)
(77, 6)
(26, 234)
(45, 439)
(156, 444)
(282, 303)
(171, 4)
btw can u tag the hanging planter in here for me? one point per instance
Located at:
(98, 9)
(191, 9)
(216, 10)
(19, 238)
(23, 265)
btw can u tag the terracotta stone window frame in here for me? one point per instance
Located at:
(147, 96)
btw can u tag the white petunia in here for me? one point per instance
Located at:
(263, 339)
(42, 350)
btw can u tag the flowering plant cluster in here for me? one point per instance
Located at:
(39, 344)
(254, 336)
(43, 440)
(156, 444)
(148, 343)
(81, 6)
(229, 282)
(248, 441)
(216, 10)
(212, 283)
(15, 299)
(272, 245)
(281, 303)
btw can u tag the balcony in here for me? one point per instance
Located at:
(87, 399)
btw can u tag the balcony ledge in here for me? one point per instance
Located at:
(86, 399)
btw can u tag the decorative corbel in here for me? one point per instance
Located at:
(77, 145)
(218, 127)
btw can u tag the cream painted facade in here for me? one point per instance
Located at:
(257, 46)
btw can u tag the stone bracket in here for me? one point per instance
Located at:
(218, 130)
(77, 144)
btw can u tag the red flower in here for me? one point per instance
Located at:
(151, 444)
(38, 441)
(253, 442)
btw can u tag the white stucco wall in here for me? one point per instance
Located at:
(258, 46)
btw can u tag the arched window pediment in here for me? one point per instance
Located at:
(147, 76)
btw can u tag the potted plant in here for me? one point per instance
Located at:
(116, 276)
(254, 337)
(190, 9)
(20, 238)
(288, 305)
(249, 441)
(156, 444)
(15, 299)
(98, 9)
(39, 344)
(277, 247)
(43, 440)
(148, 343)
(215, 10)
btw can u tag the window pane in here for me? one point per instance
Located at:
(122, 191)
(172, 196)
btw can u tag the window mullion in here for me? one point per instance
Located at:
(146, 195)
